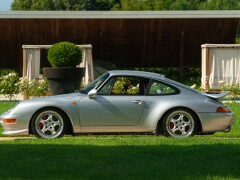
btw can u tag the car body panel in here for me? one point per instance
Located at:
(25, 110)
(216, 121)
(111, 110)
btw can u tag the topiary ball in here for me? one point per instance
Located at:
(64, 54)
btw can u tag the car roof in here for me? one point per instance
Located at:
(137, 73)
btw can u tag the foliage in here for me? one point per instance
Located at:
(33, 5)
(64, 54)
(125, 85)
(177, 5)
(220, 5)
(24, 86)
(238, 38)
(8, 84)
(63, 4)
(34, 88)
(119, 87)
(21, 5)
(38, 88)
(191, 76)
(4, 72)
(234, 88)
(69, 5)
(11, 84)
(159, 88)
(125, 5)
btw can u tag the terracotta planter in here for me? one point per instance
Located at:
(63, 80)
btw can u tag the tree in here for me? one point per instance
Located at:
(69, 5)
(220, 5)
(139, 5)
(100, 4)
(21, 5)
(126, 5)
(63, 4)
(42, 5)
(177, 5)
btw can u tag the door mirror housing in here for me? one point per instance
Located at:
(92, 93)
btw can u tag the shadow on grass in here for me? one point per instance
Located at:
(23, 161)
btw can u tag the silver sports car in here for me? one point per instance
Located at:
(122, 101)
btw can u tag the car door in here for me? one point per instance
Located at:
(119, 102)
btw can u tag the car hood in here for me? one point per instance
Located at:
(216, 95)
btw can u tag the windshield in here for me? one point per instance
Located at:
(96, 83)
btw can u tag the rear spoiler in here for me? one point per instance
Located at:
(216, 95)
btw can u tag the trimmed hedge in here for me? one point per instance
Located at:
(64, 54)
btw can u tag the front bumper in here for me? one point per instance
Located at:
(21, 127)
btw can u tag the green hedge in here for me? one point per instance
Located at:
(64, 54)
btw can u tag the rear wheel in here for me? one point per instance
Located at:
(48, 123)
(179, 123)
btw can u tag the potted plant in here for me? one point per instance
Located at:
(64, 77)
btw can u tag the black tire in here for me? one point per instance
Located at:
(179, 123)
(48, 123)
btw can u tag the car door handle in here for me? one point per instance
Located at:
(140, 102)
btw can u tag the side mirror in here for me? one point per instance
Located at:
(92, 93)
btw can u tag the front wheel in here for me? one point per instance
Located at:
(48, 123)
(179, 123)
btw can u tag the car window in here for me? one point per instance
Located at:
(106, 87)
(96, 83)
(125, 85)
(159, 88)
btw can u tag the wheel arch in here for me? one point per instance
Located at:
(159, 127)
(68, 120)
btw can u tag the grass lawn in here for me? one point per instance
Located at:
(123, 156)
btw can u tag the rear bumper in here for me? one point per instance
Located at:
(212, 122)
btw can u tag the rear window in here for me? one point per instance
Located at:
(159, 88)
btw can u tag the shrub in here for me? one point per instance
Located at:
(9, 85)
(38, 88)
(23, 85)
(34, 88)
(64, 54)
(6, 71)
(233, 88)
